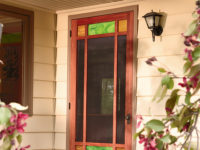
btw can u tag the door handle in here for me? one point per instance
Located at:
(128, 118)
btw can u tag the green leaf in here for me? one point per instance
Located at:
(5, 115)
(165, 80)
(168, 81)
(163, 93)
(196, 52)
(187, 98)
(162, 70)
(166, 139)
(171, 102)
(186, 66)
(158, 93)
(170, 84)
(173, 139)
(183, 110)
(19, 139)
(6, 144)
(159, 144)
(194, 70)
(155, 125)
(191, 29)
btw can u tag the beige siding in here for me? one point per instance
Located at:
(40, 130)
(48, 127)
(168, 49)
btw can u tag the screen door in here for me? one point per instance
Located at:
(101, 82)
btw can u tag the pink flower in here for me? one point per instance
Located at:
(198, 11)
(139, 118)
(194, 80)
(189, 54)
(24, 148)
(169, 111)
(185, 84)
(2, 133)
(153, 143)
(17, 123)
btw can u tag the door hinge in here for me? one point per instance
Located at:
(70, 33)
(69, 105)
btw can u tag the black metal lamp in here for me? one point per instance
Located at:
(153, 23)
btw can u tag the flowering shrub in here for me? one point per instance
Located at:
(11, 126)
(180, 123)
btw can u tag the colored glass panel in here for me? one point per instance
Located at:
(120, 148)
(81, 30)
(98, 148)
(79, 147)
(101, 28)
(122, 26)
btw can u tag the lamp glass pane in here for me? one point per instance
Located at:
(157, 20)
(149, 21)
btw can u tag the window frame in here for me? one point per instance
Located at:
(27, 18)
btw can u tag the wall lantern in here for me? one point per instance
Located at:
(153, 23)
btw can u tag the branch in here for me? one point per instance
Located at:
(190, 142)
(197, 138)
(190, 133)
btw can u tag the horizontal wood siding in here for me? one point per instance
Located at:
(168, 49)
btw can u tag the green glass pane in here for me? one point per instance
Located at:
(98, 148)
(101, 28)
(11, 38)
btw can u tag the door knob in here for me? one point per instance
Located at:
(128, 118)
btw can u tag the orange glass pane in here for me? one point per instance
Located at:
(81, 30)
(79, 147)
(120, 149)
(122, 26)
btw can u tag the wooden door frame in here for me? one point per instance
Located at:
(131, 67)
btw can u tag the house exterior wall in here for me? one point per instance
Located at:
(168, 49)
(39, 132)
(40, 129)
(48, 127)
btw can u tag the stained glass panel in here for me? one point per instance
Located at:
(79, 147)
(101, 28)
(81, 30)
(98, 148)
(122, 26)
(120, 148)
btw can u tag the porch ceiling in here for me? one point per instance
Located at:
(57, 5)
